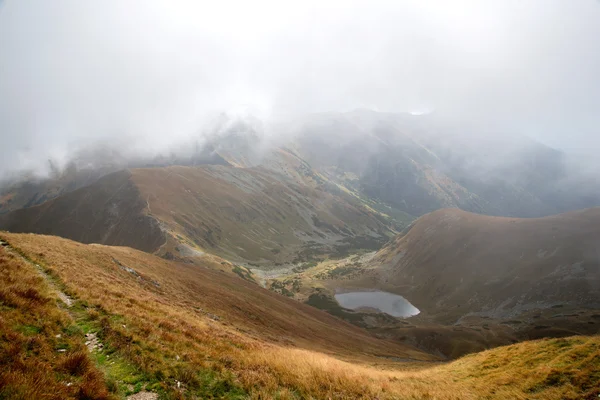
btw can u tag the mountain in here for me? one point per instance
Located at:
(510, 279)
(92, 321)
(243, 214)
(399, 165)
(418, 164)
(26, 191)
(109, 211)
(86, 167)
(327, 208)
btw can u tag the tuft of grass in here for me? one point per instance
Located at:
(243, 273)
(77, 363)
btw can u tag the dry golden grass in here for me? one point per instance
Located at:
(31, 365)
(163, 319)
(546, 369)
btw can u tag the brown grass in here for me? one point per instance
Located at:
(76, 363)
(31, 367)
(264, 346)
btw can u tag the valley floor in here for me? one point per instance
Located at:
(183, 331)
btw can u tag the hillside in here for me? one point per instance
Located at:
(109, 211)
(173, 321)
(251, 214)
(382, 169)
(399, 164)
(28, 191)
(256, 214)
(452, 263)
(154, 325)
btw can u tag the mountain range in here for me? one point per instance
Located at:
(201, 272)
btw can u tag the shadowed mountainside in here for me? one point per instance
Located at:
(109, 211)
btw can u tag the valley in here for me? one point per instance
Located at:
(461, 308)
(367, 263)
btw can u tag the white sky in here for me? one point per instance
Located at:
(145, 73)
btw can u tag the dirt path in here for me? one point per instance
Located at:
(143, 396)
(62, 296)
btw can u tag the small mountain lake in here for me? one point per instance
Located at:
(385, 302)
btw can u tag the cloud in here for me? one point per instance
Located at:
(143, 75)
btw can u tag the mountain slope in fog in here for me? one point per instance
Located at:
(417, 164)
(110, 211)
(85, 168)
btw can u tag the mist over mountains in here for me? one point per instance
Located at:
(414, 164)
(89, 75)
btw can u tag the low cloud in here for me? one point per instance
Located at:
(146, 76)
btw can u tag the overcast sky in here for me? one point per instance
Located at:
(145, 73)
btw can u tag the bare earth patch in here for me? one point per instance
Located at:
(143, 396)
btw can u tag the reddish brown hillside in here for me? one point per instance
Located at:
(452, 262)
(179, 331)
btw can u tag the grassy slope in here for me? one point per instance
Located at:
(33, 329)
(276, 348)
(316, 284)
(253, 213)
(453, 262)
(479, 281)
(483, 281)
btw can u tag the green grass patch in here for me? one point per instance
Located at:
(243, 273)
(120, 372)
(28, 330)
(326, 303)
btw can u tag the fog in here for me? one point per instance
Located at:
(144, 76)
